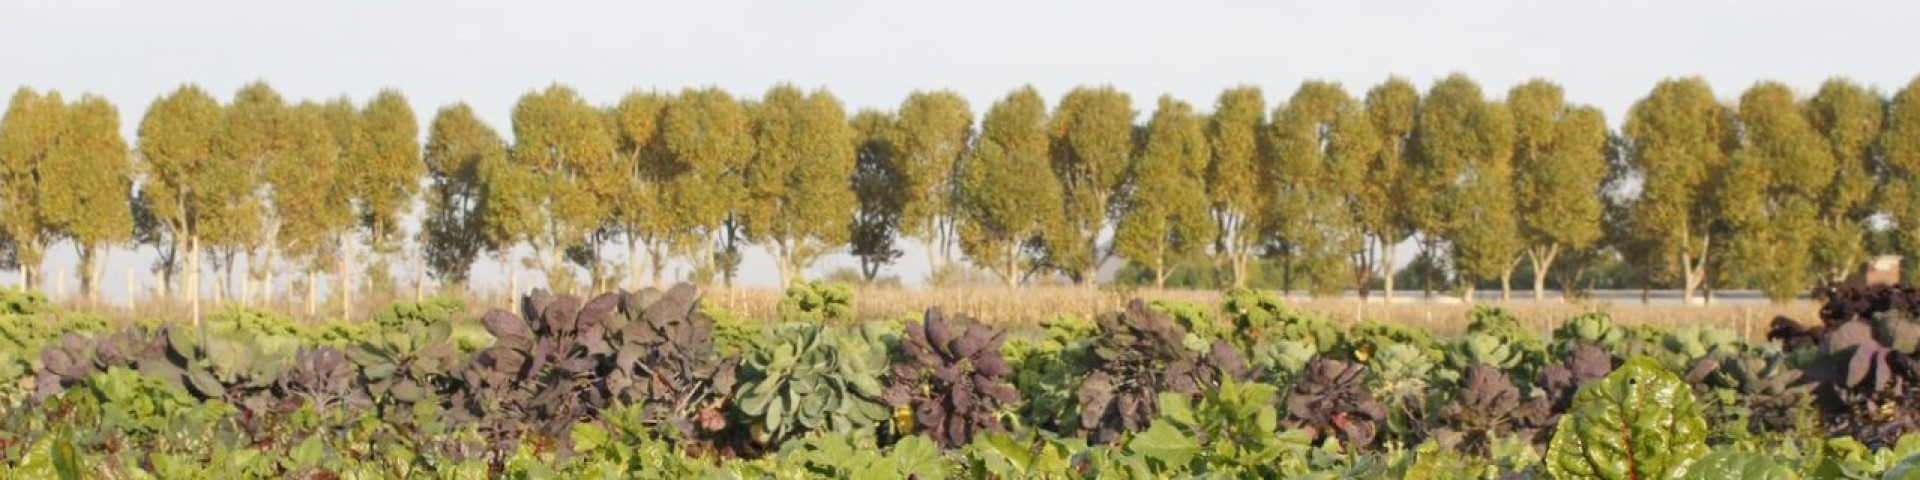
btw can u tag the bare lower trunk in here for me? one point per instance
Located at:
(89, 276)
(633, 262)
(193, 280)
(1386, 271)
(1542, 263)
(313, 292)
(346, 277)
(1160, 271)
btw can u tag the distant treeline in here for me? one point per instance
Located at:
(1772, 190)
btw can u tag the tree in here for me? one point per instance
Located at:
(177, 177)
(1849, 117)
(1777, 177)
(710, 138)
(308, 192)
(32, 125)
(564, 146)
(87, 179)
(1167, 215)
(386, 172)
(1559, 165)
(1679, 139)
(1307, 202)
(798, 200)
(643, 160)
(459, 148)
(1092, 146)
(1900, 143)
(931, 136)
(1465, 147)
(1389, 187)
(251, 135)
(877, 185)
(1007, 206)
(1237, 177)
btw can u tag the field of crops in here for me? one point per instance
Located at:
(658, 384)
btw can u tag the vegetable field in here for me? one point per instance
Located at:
(656, 384)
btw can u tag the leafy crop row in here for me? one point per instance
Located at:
(645, 384)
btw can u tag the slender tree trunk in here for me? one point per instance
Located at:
(1160, 270)
(26, 276)
(1506, 285)
(313, 292)
(346, 277)
(1541, 264)
(633, 261)
(88, 285)
(1013, 269)
(193, 280)
(1386, 270)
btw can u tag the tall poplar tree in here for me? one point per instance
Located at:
(1389, 189)
(565, 146)
(1559, 159)
(1307, 202)
(177, 185)
(799, 203)
(644, 162)
(1007, 206)
(877, 181)
(933, 132)
(32, 125)
(1092, 146)
(459, 148)
(1167, 215)
(1679, 138)
(251, 135)
(1900, 145)
(88, 180)
(309, 195)
(1465, 147)
(385, 176)
(1849, 117)
(1782, 167)
(1237, 178)
(710, 138)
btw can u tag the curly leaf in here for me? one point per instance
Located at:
(1640, 422)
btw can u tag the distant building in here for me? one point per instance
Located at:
(1882, 270)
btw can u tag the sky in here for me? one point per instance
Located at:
(871, 54)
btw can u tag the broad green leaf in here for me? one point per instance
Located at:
(1640, 422)
(1738, 465)
(918, 456)
(1163, 442)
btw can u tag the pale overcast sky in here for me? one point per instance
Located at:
(872, 53)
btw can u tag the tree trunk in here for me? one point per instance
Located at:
(193, 280)
(1013, 269)
(1160, 270)
(633, 262)
(346, 277)
(1542, 264)
(1506, 285)
(1386, 271)
(313, 292)
(89, 287)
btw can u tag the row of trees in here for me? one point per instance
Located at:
(1775, 190)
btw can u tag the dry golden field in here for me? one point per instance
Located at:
(1026, 305)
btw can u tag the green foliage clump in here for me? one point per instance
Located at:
(817, 302)
(19, 301)
(809, 378)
